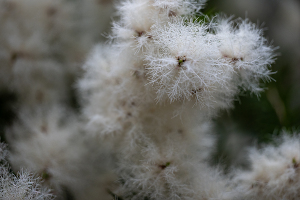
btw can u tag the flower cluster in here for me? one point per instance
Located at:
(143, 127)
(154, 89)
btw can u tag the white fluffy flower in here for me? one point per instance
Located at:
(188, 60)
(169, 165)
(113, 90)
(138, 17)
(184, 62)
(274, 173)
(245, 48)
(22, 186)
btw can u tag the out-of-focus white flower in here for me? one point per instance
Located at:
(52, 144)
(169, 165)
(42, 45)
(42, 142)
(274, 173)
(245, 48)
(138, 17)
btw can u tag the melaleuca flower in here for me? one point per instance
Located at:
(245, 48)
(184, 62)
(206, 62)
(138, 17)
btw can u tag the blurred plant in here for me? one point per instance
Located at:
(141, 122)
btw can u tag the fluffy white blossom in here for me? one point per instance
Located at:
(138, 17)
(169, 165)
(22, 186)
(114, 96)
(184, 62)
(244, 46)
(207, 62)
(274, 173)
